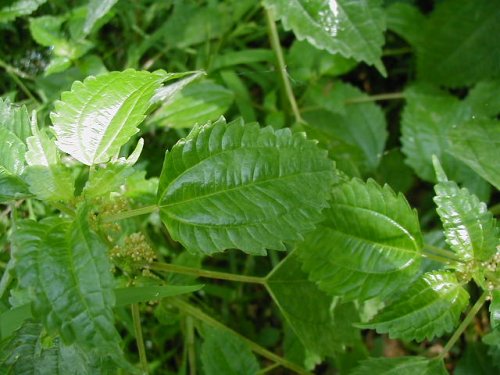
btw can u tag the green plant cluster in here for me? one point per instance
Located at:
(241, 187)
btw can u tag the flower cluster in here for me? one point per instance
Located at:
(134, 255)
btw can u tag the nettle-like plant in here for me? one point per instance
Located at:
(102, 256)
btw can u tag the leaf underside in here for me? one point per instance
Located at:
(368, 246)
(240, 186)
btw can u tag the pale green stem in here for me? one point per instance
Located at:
(275, 44)
(190, 345)
(268, 369)
(200, 315)
(376, 98)
(14, 70)
(437, 258)
(22, 86)
(465, 323)
(61, 207)
(136, 316)
(167, 267)
(442, 252)
(128, 214)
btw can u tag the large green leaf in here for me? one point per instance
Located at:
(98, 116)
(459, 45)
(469, 227)
(308, 310)
(368, 246)
(429, 308)
(66, 269)
(222, 353)
(484, 99)
(354, 134)
(240, 186)
(400, 366)
(18, 8)
(196, 104)
(476, 143)
(475, 360)
(353, 28)
(406, 20)
(428, 117)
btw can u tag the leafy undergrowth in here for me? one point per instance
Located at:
(240, 187)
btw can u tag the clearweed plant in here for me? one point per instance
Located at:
(308, 193)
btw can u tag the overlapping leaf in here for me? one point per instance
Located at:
(352, 28)
(19, 8)
(308, 310)
(224, 353)
(476, 143)
(65, 267)
(368, 246)
(95, 11)
(98, 116)
(401, 366)
(240, 186)
(469, 227)
(459, 43)
(429, 308)
(484, 99)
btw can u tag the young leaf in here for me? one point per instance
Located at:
(95, 11)
(15, 119)
(224, 353)
(308, 309)
(476, 143)
(18, 8)
(400, 366)
(240, 186)
(368, 246)
(65, 267)
(429, 308)
(352, 28)
(467, 52)
(469, 227)
(195, 104)
(98, 116)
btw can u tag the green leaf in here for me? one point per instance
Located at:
(476, 143)
(406, 20)
(400, 366)
(96, 9)
(196, 104)
(428, 117)
(429, 308)
(469, 227)
(484, 99)
(47, 177)
(223, 353)
(354, 134)
(353, 28)
(475, 361)
(12, 151)
(368, 246)
(15, 119)
(66, 269)
(46, 30)
(240, 186)
(12, 319)
(308, 310)
(98, 116)
(127, 296)
(495, 309)
(19, 8)
(467, 51)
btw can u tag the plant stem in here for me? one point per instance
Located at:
(61, 207)
(267, 369)
(167, 267)
(130, 213)
(375, 98)
(437, 258)
(190, 345)
(442, 252)
(461, 328)
(200, 315)
(138, 337)
(275, 44)
(14, 70)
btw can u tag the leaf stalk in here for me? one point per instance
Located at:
(136, 317)
(128, 214)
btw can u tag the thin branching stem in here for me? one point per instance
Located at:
(442, 252)
(136, 317)
(167, 267)
(128, 214)
(376, 98)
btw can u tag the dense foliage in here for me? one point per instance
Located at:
(243, 187)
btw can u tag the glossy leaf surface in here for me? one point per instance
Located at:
(240, 186)
(429, 308)
(352, 28)
(368, 246)
(98, 116)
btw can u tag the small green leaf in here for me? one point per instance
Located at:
(196, 104)
(127, 296)
(98, 116)
(406, 20)
(46, 30)
(400, 366)
(308, 310)
(15, 119)
(429, 308)
(476, 143)
(467, 52)
(223, 353)
(19, 8)
(353, 28)
(240, 186)
(368, 246)
(96, 9)
(495, 309)
(66, 269)
(469, 227)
